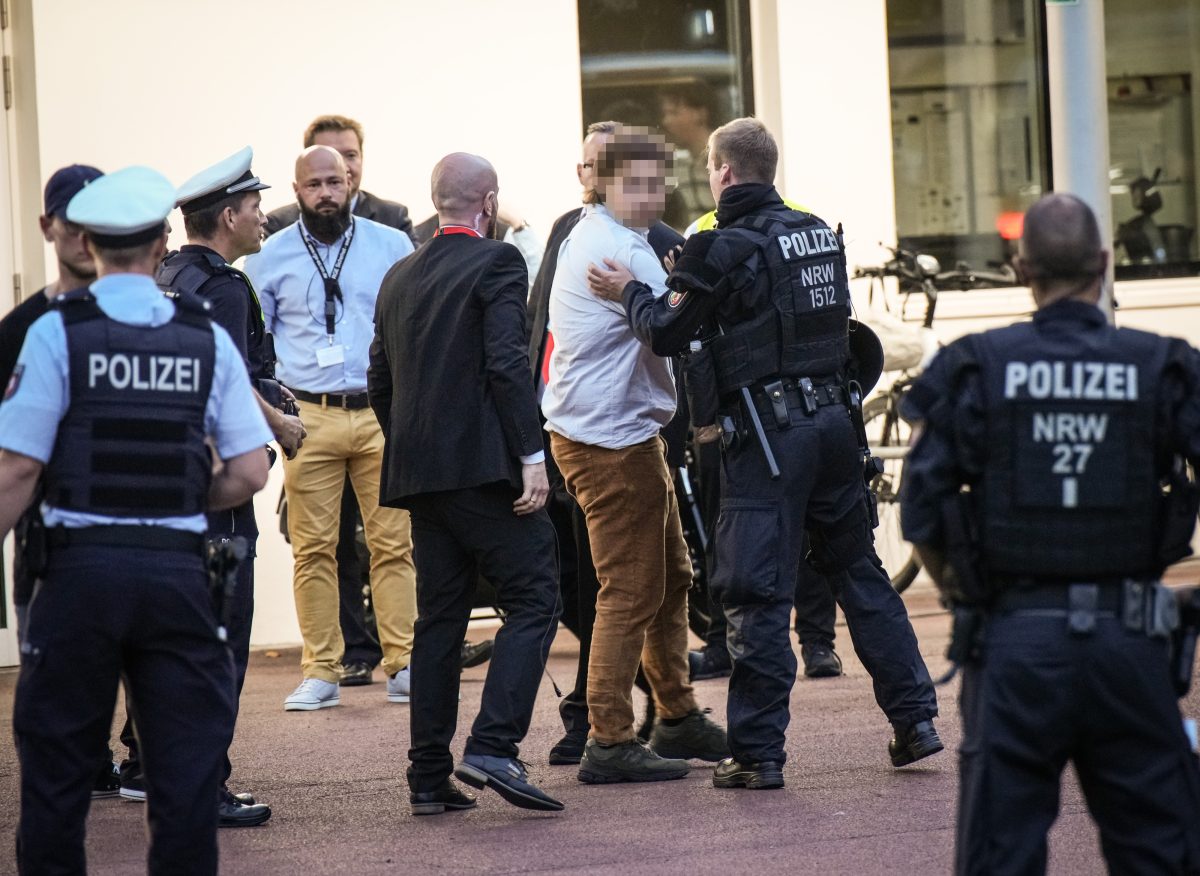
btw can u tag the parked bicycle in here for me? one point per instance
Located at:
(887, 432)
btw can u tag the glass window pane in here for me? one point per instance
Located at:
(968, 129)
(1153, 58)
(678, 66)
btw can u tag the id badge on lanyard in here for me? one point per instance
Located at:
(333, 293)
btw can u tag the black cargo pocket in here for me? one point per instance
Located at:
(747, 553)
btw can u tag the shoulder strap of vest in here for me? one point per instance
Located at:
(181, 274)
(192, 310)
(78, 305)
(764, 222)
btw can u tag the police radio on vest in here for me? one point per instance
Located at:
(145, 372)
(813, 241)
(1090, 381)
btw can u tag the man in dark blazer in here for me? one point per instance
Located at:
(449, 381)
(346, 136)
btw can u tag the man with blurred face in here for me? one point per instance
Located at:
(605, 402)
(318, 280)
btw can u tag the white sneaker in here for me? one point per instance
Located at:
(398, 687)
(313, 693)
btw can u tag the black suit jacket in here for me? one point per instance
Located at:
(368, 207)
(449, 377)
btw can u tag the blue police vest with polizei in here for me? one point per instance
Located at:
(1072, 488)
(132, 441)
(799, 327)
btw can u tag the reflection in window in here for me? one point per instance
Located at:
(1153, 58)
(968, 131)
(679, 66)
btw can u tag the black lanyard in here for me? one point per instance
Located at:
(333, 291)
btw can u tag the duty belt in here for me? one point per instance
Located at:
(155, 538)
(774, 399)
(354, 401)
(1144, 606)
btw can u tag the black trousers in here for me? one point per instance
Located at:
(816, 610)
(759, 540)
(144, 616)
(1041, 696)
(241, 618)
(457, 535)
(360, 636)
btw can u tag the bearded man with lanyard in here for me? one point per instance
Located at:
(317, 281)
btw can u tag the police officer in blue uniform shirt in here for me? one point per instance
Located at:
(119, 399)
(1042, 494)
(768, 293)
(221, 216)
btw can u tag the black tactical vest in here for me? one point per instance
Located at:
(1072, 488)
(799, 327)
(132, 441)
(187, 272)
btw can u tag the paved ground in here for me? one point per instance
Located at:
(335, 780)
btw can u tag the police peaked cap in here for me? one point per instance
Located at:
(125, 208)
(231, 176)
(866, 355)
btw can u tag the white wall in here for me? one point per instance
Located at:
(179, 84)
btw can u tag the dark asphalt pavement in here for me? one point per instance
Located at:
(335, 779)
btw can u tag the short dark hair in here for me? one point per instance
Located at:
(125, 256)
(693, 93)
(1060, 239)
(202, 223)
(747, 147)
(332, 123)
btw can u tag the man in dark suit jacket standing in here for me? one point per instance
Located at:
(346, 136)
(449, 381)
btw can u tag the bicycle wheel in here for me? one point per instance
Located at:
(888, 435)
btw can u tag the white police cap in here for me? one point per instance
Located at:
(214, 184)
(125, 208)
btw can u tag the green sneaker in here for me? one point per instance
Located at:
(631, 761)
(694, 737)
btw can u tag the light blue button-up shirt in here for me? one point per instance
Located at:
(292, 293)
(29, 419)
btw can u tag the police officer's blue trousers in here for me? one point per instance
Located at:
(101, 614)
(1041, 696)
(759, 539)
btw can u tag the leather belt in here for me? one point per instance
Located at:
(155, 538)
(354, 401)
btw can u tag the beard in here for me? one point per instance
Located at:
(326, 226)
(492, 228)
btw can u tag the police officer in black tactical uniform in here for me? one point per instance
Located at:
(768, 294)
(119, 398)
(224, 222)
(1045, 496)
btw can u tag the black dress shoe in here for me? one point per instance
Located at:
(476, 654)
(762, 776)
(232, 813)
(244, 799)
(355, 674)
(914, 742)
(448, 796)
